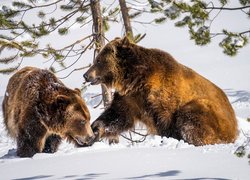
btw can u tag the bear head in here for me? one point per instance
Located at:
(117, 65)
(72, 115)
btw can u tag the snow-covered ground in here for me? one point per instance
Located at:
(154, 158)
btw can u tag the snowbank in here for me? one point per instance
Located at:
(154, 158)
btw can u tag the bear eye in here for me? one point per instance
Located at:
(82, 122)
(98, 61)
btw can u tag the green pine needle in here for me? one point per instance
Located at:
(8, 70)
(106, 26)
(134, 15)
(160, 20)
(21, 5)
(240, 152)
(63, 31)
(41, 14)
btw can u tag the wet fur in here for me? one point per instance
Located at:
(39, 111)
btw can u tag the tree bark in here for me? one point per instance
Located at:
(129, 34)
(126, 20)
(99, 42)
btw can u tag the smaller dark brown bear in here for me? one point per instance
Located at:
(39, 111)
(169, 98)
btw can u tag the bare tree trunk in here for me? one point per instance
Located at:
(129, 34)
(99, 41)
(126, 20)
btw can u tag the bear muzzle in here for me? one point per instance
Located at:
(92, 78)
(84, 141)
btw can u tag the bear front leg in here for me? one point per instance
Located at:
(52, 143)
(114, 120)
(30, 140)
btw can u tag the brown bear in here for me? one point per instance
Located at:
(171, 99)
(39, 111)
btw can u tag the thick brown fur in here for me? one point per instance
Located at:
(39, 111)
(169, 98)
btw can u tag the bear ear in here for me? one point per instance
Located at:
(117, 39)
(62, 99)
(113, 49)
(125, 41)
(60, 102)
(78, 91)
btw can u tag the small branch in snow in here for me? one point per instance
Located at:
(144, 136)
(98, 104)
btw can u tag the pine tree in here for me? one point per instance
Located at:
(197, 16)
(13, 25)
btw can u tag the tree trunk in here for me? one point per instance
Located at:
(129, 34)
(126, 20)
(99, 41)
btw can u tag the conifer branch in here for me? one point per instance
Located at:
(9, 59)
(8, 70)
(223, 34)
(11, 69)
(227, 8)
(39, 6)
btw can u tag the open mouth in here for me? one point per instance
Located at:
(95, 81)
(80, 141)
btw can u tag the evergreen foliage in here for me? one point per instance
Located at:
(195, 15)
(13, 24)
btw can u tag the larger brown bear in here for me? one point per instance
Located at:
(169, 98)
(39, 111)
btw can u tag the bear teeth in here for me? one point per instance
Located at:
(95, 81)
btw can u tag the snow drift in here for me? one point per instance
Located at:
(154, 158)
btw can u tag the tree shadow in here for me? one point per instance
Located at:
(238, 96)
(85, 177)
(204, 178)
(74, 177)
(34, 177)
(157, 175)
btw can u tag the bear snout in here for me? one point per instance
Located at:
(84, 141)
(90, 76)
(86, 77)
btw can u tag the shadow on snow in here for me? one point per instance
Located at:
(238, 96)
(74, 177)
(158, 175)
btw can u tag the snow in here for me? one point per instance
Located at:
(130, 163)
(154, 158)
